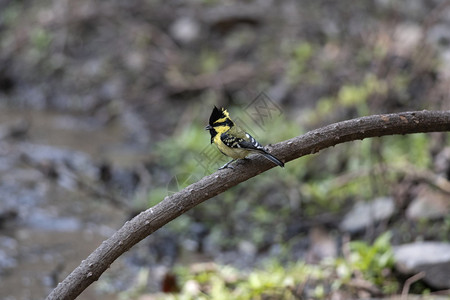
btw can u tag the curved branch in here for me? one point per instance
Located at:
(150, 220)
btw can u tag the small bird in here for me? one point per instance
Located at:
(232, 141)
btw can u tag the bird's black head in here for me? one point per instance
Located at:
(218, 121)
(217, 114)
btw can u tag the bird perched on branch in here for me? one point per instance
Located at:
(232, 141)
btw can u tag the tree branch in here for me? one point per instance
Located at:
(150, 220)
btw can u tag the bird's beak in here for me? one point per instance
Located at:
(208, 127)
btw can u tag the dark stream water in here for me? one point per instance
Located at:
(49, 221)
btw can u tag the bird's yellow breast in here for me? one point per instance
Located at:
(231, 152)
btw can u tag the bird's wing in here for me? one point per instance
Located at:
(235, 142)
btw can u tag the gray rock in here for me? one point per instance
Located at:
(322, 245)
(407, 36)
(429, 204)
(185, 29)
(438, 35)
(441, 163)
(364, 214)
(433, 258)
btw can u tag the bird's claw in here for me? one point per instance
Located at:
(227, 165)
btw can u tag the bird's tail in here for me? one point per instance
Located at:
(273, 159)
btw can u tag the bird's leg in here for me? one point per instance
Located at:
(226, 165)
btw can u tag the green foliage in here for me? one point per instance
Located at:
(374, 262)
(319, 194)
(301, 54)
(275, 281)
(410, 149)
(271, 282)
(209, 61)
(40, 39)
(446, 230)
(182, 152)
(351, 96)
(11, 12)
(156, 195)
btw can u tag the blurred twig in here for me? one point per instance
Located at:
(409, 170)
(408, 282)
(171, 207)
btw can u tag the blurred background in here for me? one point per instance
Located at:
(103, 108)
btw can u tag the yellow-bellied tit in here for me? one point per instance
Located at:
(232, 141)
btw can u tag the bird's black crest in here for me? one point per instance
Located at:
(215, 115)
